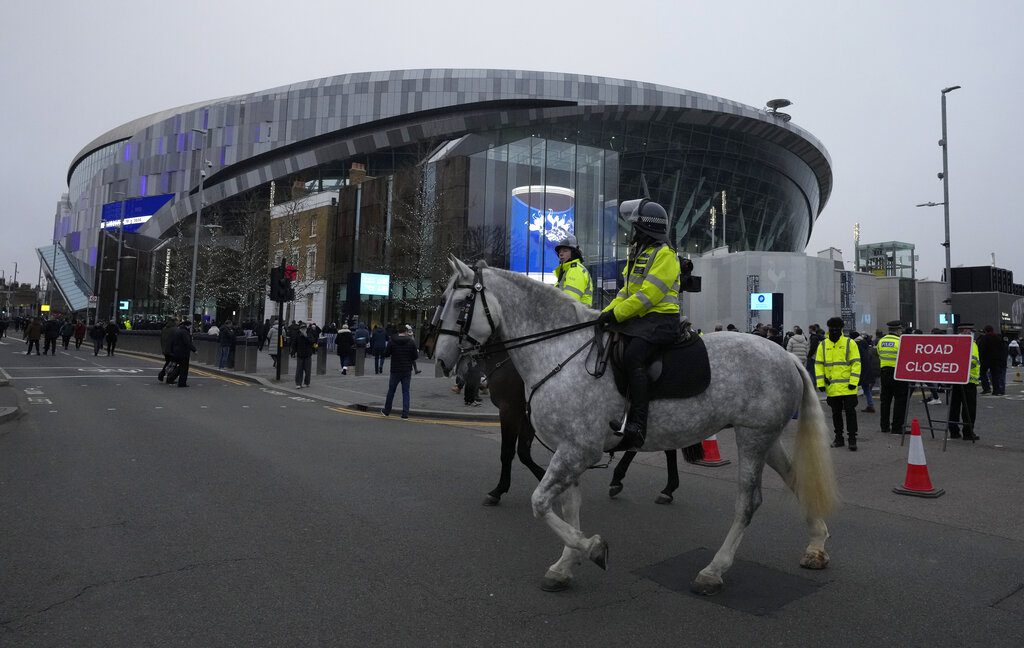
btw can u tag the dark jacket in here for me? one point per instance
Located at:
(96, 332)
(181, 344)
(302, 344)
(870, 367)
(67, 330)
(991, 350)
(379, 341)
(362, 335)
(34, 331)
(226, 337)
(403, 353)
(345, 341)
(111, 332)
(80, 331)
(51, 329)
(166, 336)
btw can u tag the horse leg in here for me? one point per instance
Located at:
(748, 499)
(525, 442)
(815, 556)
(559, 574)
(673, 478)
(563, 475)
(508, 449)
(615, 487)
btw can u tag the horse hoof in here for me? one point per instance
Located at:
(599, 553)
(554, 582)
(663, 498)
(706, 585)
(614, 490)
(492, 500)
(814, 560)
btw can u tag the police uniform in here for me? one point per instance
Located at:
(892, 390)
(646, 308)
(965, 397)
(837, 371)
(572, 277)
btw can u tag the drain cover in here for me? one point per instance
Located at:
(749, 587)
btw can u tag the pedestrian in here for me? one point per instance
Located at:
(79, 333)
(33, 332)
(166, 337)
(225, 342)
(893, 392)
(403, 353)
(262, 334)
(274, 341)
(378, 347)
(775, 336)
(798, 345)
(869, 370)
(96, 334)
(111, 336)
(837, 369)
(963, 401)
(182, 349)
(814, 338)
(1014, 348)
(67, 329)
(345, 343)
(472, 384)
(993, 355)
(303, 346)
(51, 331)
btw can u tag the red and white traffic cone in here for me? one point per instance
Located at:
(917, 482)
(712, 457)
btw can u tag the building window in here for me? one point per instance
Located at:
(311, 263)
(295, 227)
(312, 224)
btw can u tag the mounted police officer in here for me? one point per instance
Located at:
(646, 309)
(572, 276)
(892, 389)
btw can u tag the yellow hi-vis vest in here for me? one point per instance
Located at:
(975, 376)
(574, 280)
(652, 284)
(837, 364)
(888, 348)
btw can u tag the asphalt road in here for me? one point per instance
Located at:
(231, 514)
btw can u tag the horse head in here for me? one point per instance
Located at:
(466, 318)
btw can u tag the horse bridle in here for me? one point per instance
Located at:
(464, 322)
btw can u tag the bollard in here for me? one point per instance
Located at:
(208, 351)
(359, 361)
(282, 359)
(321, 359)
(251, 356)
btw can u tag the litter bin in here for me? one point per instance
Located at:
(251, 353)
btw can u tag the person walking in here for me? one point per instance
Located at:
(472, 384)
(182, 349)
(893, 392)
(799, 345)
(79, 333)
(378, 347)
(869, 370)
(67, 329)
(963, 401)
(993, 355)
(1014, 349)
(303, 347)
(96, 334)
(345, 344)
(814, 337)
(111, 336)
(274, 343)
(51, 331)
(837, 373)
(33, 332)
(403, 354)
(166, 337)
(225, 342)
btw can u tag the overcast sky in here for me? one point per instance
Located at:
(864, 77)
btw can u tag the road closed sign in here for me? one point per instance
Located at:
(934, 359)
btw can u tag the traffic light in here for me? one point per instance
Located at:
(281, 283)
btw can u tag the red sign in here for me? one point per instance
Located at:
(934, 359)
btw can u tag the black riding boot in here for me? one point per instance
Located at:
(636, 420)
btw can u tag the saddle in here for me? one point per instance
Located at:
(680, 371)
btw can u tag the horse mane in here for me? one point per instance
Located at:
(554, 300)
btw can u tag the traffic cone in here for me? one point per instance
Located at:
(712, 457)
(917, 482)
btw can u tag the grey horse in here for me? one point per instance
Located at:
(571, 410)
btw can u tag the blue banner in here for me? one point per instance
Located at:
(541, 217)
(136, 211)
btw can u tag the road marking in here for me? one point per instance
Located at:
(106, 370)
(203, 407)
(5, 374)
(159, 407)
(426, 421)
(39, 400)
(111, 409)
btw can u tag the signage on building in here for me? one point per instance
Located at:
(760, 301)
(374, 284)
(542, 216)
(847, 291)
(753, 283)
(135, 211)
(93, 299)
(44, 308)
(934, 359)
(124, 304)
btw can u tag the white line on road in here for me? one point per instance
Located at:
(5, 374)
(78, 376)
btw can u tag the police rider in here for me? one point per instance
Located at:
(572, 276)
(646, 310)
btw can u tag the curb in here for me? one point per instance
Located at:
(358, 407)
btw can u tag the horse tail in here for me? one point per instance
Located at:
(814, 479)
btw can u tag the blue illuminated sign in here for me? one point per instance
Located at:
(136, 211)
(541, 217)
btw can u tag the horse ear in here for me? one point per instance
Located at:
(452, 263)
(462, 268)
(481, 264)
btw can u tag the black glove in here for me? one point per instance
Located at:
(606, 319)
(852, 387)
(821, 389)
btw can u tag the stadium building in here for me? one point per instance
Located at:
(367, 181)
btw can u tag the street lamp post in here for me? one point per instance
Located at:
(117, 272)
(199, 217)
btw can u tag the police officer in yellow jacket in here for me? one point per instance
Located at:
(837, 371)
(571, 275)
(892, 390)
(646, 309)
(965, 397)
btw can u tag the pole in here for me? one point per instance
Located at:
(278, 341)
(945, 210)
(199, 219)
(117, 271)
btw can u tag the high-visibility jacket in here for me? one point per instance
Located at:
(837, 365)
(574, 280)
(651, 284)
(975, 376)
(888, 347)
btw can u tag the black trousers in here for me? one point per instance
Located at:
(50, 344)
(635, 358)
(894, 399)
(841, 405)
(32, 343)
(183, 371)
(963, 398)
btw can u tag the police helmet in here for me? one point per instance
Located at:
(646, 216)
(568, 242)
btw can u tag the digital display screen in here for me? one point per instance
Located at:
(542, 216)
(374, 284)
(761, 301)
(136, 211)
